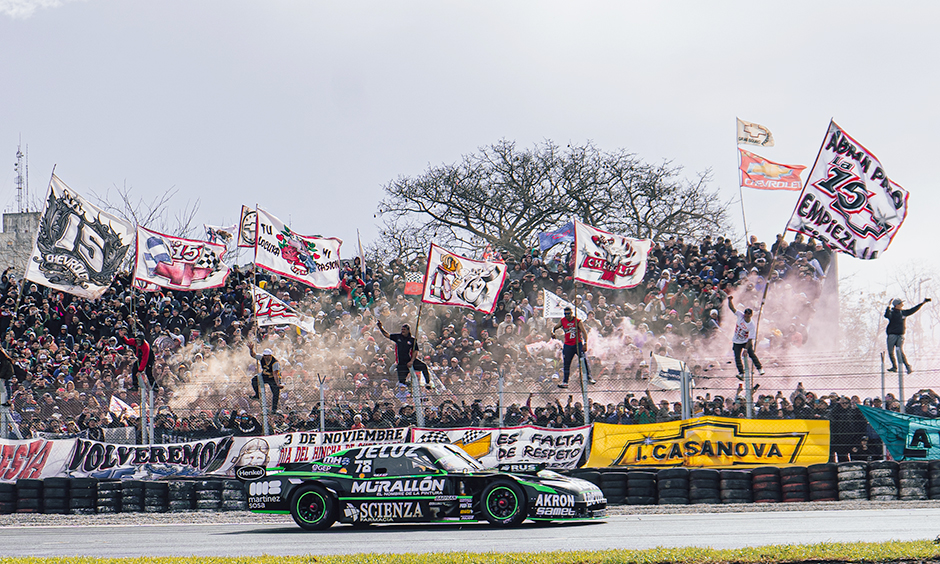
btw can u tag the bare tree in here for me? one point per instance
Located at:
(504, 196)
(154, 214)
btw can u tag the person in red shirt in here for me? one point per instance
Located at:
(143, 353)
(575, 343)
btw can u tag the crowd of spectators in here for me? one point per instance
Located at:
(71, 360)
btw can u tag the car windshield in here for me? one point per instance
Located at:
(453, 459)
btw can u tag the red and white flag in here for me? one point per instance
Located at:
(118, 406)
(414, 283)
(459, 281)
(758, 172)
(177, 263)
(311, 260)
(848, 202)
(608, 260)
(271, 311)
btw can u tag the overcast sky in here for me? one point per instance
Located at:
(309, 108)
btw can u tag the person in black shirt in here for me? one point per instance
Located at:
(895, 330)
(406, 354)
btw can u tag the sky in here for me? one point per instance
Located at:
(309, 108)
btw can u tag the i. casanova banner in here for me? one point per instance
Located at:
(177, 263)
(79, 248)
(608, 260)
(711, 441)
(311, 260)
(459, 281)
(556, 448)
(848, 202)
(907, 437)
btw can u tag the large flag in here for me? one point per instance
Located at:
(177, 263)
(907, 437)
(79, 248)
(607, 260)
(458, 281)
(246, 227)
(553, 306)
(563, 234)
(311, 260)
(750, 133)
(414, 283)
(848, 202)
(665, 372)
(271, 311)
(222, 235)
(758, 172)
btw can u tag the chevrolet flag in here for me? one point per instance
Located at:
(758, 172)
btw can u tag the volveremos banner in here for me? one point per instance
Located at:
(907, 437)
(711, 441)
(556, 448)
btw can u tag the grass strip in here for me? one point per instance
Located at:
(895, 551)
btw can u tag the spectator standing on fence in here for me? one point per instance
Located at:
(575, 343)
(745, 331)
(895, 316)
(270, 374)
(406, 354)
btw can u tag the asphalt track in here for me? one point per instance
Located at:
(717, 530)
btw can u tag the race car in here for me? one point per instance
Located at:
(414, 482)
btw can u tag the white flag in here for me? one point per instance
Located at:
(553, 306)
(271, 311)
(246, 227)
(222, 235)
(118, 406)
(848, 202)
(177, 263)
(750, 133)
(311, 260)
(459, 281)
(665, 372)
(607, 260)
(79, 248)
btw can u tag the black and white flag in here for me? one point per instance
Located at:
(79, 248)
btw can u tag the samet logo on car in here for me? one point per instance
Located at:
(383, 511)
(250, 473)
(272, 487)
(427, 486)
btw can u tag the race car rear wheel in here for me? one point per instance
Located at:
(313, 508)
(504, 503)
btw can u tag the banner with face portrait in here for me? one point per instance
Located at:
(454, 280)
(608, 260)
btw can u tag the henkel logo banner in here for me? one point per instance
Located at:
(608, 260)
(458, 281)
(177, 263)
(849, 203)
(758, 172)
(311, 260)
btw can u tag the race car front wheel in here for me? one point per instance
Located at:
(504, 503)
(313, 508)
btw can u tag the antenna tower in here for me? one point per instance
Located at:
(22, 179)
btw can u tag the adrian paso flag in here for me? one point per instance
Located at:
(459, 281)
(849, 203)
(758, 172)
(608, 260)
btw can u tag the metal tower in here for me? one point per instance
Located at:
(22, 179)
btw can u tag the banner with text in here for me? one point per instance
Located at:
(758, 172)
(459, 281)
(177, 263)
(907, 437)
(307, 447)
(311, 260)
(608, 260)
(848, 202)
(711, 441)
(556, 448)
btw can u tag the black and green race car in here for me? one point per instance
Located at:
(412, 483)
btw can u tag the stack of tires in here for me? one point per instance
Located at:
(933, 468)
(132, 496)
(735, 486)
(208, 495)
(155, 497)
(235, 498)
(7, 498)
(614, 486)
(641, 488)
(765, 483)
(55, 496)
(181, 496)
(883, 480)
(704, 486)
(794, 484)
(83, 493)
(673, 486)
(913, 482)
(853, 480)
(29, 496)
(823, 482)
(108, 497)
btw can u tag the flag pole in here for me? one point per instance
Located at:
(262, 396)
